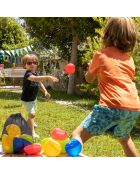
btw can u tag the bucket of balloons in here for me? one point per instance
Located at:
(54, 146)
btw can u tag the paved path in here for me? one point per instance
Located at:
(16, 89)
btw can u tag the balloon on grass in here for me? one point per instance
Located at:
(7, 143)
(51, 148)
(63, 144)
(73, 147)
(58, 134)
(13, 130)
(28, 138)
(19, 144)
(33, 149)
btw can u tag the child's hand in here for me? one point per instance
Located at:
(47, 95)
(88, 65)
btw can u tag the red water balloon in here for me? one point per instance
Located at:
(58, 134)
(69, 68)
(33, 149)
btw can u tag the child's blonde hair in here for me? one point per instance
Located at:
(29, 57)
(120, 32)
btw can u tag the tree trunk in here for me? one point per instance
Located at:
(71, 83)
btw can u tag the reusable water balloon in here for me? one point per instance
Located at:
(43, 142)
(73, 147)
(19, 144)
(33, 149)
(13, 130)
(69, 68)
(58, 134)
(63, 144)
(28, 138)
(7, 144)
(51, 148)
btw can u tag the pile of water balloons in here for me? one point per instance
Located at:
(15, 142)
(59, 143)
(55, 145)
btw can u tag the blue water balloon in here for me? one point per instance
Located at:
(73, 147)
(19, 144)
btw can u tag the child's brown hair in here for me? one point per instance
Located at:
(120, 32)
(27, 57)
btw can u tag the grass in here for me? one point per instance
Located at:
(51, 115)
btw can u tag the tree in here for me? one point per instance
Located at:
(66, 33)
(91, 45)
(12, 34)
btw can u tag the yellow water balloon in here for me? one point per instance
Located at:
(13, 130)
(7, 143)
(51, 148)
(43, 144)
(44, 141)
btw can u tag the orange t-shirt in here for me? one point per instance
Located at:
(115, 71)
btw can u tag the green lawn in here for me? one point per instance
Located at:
(51, 115)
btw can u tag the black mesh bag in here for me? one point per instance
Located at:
(18, 120)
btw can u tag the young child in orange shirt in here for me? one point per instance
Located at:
(119, 104)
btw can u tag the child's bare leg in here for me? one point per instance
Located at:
(31, 121)
(81, 134)
(128, 146)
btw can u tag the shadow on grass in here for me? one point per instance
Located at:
(7, 95)
(12, 106)
(83, 101)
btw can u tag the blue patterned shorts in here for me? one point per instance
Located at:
(103, 118)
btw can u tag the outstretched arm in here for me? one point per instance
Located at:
(42, 78)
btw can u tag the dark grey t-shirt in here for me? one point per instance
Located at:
(30, 88)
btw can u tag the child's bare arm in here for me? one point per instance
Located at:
(89, 75)
(43, 89)
(42, 78)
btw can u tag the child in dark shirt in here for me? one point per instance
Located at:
(31, 84)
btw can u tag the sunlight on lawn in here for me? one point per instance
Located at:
(51, 115)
